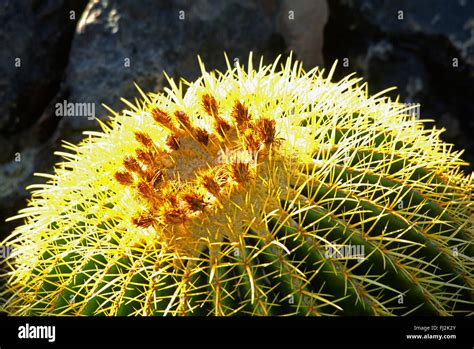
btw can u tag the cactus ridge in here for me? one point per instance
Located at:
(250, 192)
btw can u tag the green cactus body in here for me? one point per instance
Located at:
(253, 192)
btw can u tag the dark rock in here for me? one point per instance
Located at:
(452, 19)
(119, 43)
(302, 25)
(426, 50)
(35, 38)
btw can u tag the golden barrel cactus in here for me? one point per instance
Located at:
(269, 191)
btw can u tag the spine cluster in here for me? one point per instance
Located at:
(171, 200)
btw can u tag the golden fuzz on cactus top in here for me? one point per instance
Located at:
(248, 193)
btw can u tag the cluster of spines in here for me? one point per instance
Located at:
(171, 200)
(404, 219)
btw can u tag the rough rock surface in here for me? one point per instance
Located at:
(120, 42)
(424, 47)
(35, 38)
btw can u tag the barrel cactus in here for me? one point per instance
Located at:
(268, 191)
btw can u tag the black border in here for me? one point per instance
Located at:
(243, 332)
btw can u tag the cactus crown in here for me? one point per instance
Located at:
(226, 198)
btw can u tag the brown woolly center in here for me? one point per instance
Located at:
(197, 170)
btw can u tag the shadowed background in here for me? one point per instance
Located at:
(92, 52)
